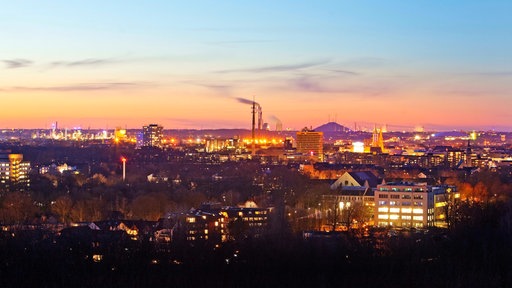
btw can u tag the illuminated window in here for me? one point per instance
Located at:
(404, 196)
(417, 211)
(383, 216)
(406, 217)
(393, 217)
(394, 210)
(406, 210)
(382, 203)
(418, 196)
(417, 218)
(383, 209)
(394, 203)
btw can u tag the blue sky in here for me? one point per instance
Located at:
(438, 64)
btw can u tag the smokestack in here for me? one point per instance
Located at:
(260, 117)
(255, 106)
(253, 124)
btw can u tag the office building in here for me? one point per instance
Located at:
(152, 135)
(310, 143)
(14, 171)
(404, 204)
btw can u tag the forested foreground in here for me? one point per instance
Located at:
(475, 252)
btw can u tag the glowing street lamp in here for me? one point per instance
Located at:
(123, 159)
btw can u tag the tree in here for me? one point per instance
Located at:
(18, 207)
(63, 207)
(151, 206)
(480, 192)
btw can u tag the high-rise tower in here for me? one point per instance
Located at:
(311, 142)
(152, 135)
(14, 171)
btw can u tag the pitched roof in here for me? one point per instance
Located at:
(363, 176)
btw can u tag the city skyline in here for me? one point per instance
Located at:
(442, 66)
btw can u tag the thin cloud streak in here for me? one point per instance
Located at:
(239, 42)
(308, 84)
(224, 90)
(78, 87)
(344, 72)
(16, 63)
(84, 62)
(364, 62)
(277, 68)
(491, 74)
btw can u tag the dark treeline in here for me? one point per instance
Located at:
(475, 253)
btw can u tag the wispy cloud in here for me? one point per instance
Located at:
(277, 68)
(236, 42)
(477, 92)
(343, 72)
(491, 74)
(84, 62)
(224, 90)
(364, 62)
(329, 85)
(79, 87)
(16, 63)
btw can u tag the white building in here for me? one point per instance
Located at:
(403, 204)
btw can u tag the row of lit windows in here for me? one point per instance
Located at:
(396, 217)
(397, 203)
(397, 196)
(395, 189)
(404, 210)
(251, 219)
(408, 224)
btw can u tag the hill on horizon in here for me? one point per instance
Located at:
(332, 127)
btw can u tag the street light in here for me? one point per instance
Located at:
(123, 159)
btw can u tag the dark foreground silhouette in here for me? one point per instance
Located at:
(471, 255)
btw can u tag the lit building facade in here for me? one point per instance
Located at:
(444, 197)
(219, 224)
(152, 135)
(311, 143)
(404, 204)
(14, 171)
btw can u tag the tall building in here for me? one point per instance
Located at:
(311, 143)
(14, 171)
(152, 135)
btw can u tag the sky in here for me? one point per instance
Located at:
(440, 65)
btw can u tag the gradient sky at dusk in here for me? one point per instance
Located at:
(442, 65)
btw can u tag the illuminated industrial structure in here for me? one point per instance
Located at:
(14, 171)
(311, 143)
(152, 135)
(120, 134)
